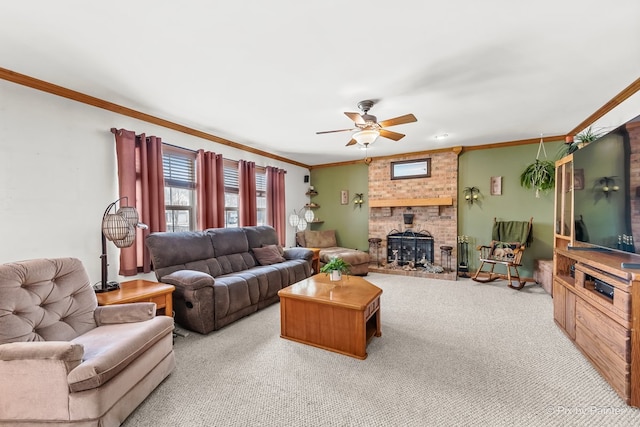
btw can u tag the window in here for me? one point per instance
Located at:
(179, 188)
(261, 194)
(231, 193)
(231, 200)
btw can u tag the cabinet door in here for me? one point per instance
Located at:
(570, 314)
(559, 304)
(563, 197)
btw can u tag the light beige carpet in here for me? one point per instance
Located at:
(451, 354)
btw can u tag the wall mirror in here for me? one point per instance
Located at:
(417, 168)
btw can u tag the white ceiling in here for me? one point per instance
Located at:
(269, 74)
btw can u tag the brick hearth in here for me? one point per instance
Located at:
(449, 275)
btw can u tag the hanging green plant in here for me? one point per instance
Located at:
(540, 175)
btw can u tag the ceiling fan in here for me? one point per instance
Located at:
(368, 126)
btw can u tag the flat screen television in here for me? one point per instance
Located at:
(606, 190)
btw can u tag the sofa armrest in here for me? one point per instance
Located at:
(298, 253)
(189, 279)
(124, 313)
(41, 350)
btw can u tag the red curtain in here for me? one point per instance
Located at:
(141, 180)
(247, 209)
(276, 215)
(210, 193)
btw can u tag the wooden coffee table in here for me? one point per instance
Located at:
(337, 316)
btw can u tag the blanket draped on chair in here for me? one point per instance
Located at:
(512, 231)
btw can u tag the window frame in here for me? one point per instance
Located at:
(185, 178)
(232, 188)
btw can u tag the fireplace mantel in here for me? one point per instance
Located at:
(394, 203)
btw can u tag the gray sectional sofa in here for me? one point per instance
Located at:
(224, 274)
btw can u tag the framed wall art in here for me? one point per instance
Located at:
(496, 186)
(344, 197)
(418, 168)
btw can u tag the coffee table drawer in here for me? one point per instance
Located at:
(371, 308)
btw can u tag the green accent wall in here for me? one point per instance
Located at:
(516, 203)
(350, 222)
(476, 167)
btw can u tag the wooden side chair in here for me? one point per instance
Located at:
(509, 240)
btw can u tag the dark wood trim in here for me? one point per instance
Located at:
(51, 88)
(613, 103)
(73, 95)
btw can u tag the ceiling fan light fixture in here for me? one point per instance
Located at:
(366, 137)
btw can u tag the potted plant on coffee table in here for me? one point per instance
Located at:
(336, 267)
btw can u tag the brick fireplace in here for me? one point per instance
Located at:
(432, 201)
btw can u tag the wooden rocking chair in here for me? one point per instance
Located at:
(510, 239)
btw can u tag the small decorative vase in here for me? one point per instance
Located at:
(335, 276)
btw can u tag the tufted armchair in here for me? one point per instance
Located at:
(68, 362)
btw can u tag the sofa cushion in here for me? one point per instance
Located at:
(320, 239)
(105, 356)
(268, 255)
(261, 235)
(168, 248)
(191, 250)
(227, 241)
(233, 292)
(352, 256)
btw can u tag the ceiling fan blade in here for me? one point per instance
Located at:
(353, 141)
(407, 118)
(391, 135)
(355, 117)
(332, 131)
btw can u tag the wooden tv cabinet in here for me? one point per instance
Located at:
(606, 328)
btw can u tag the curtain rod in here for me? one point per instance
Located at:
(114, 131)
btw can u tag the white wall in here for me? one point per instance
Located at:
(58, 175)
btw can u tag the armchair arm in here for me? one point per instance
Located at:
(41, 350)
(189, 279)
(124, 313)
(298, 253)
(37, 371)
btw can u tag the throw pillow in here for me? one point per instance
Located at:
(503, 251)
(268, 255)
(280, 248)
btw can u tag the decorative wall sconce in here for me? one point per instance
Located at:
(608, 185)
(471, 194)
(357, 200)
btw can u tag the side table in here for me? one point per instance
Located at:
(140, 291)
(315, 261)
